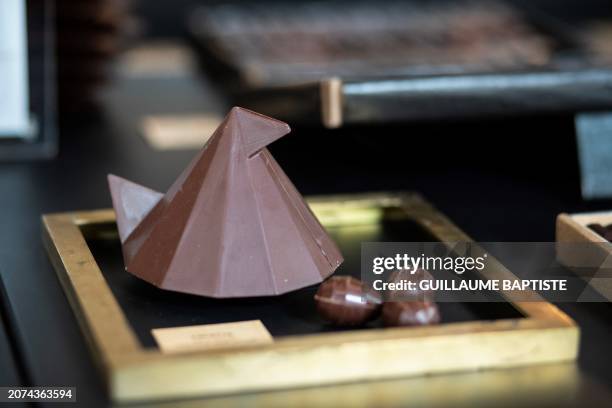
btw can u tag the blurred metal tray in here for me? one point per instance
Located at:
(358, 62)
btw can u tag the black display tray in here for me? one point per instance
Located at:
(147, 307)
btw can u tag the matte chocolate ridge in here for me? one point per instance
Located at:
(231, 225)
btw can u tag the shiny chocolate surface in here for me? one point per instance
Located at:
(344, 301)
(410, 313)
(411, 295)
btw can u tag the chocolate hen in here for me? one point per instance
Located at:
(231, 225)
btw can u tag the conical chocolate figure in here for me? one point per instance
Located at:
(231, 225)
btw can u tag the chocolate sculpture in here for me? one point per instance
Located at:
(231, 225)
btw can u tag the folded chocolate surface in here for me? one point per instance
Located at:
(231, 225)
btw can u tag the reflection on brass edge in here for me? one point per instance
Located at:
(573, 228)
(134, 373)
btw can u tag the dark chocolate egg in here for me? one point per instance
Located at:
(345, 301)
(414, 313)
(410, 295)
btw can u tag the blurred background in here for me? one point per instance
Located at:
(510, 98)
(498, 112)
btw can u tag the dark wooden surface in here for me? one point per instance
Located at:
(10, 374)
(502, 180)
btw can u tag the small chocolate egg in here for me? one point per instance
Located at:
(410, 295)
(414, 313)
(344, 301)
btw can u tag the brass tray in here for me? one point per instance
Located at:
(573, 229)
(116, 312)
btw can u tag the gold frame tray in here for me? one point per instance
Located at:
(135, 373)
(572, 228)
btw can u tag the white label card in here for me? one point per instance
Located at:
(212, 336)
